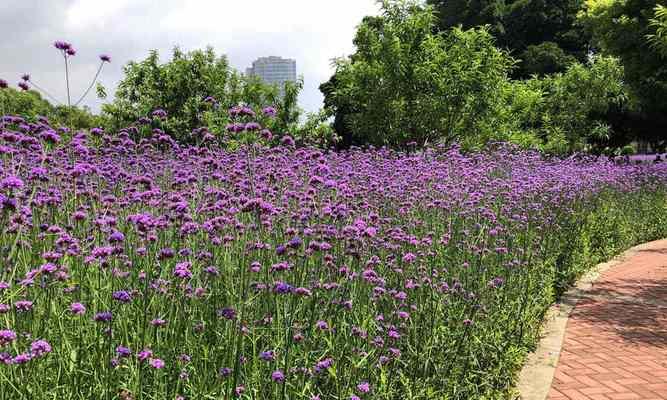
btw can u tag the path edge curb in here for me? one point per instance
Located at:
(536, 376)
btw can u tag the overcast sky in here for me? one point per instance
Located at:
(310, 31)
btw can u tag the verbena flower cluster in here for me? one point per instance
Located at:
(153, 270)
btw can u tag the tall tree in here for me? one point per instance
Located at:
(181, 86)
(629, 29)
(406, 82)
(543, 35)
(30, 104)
(659, 23)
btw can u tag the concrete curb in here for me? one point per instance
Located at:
(538, 371)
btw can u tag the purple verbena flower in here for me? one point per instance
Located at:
(61, 45)
(364, 387)
(144, 354)
(227, 313)
(277, 376)
(122, 296)
(287, 141)
(267, 355)
(39, 348)
(7, 336)
(182, 270)
(23, 305)
(116, 237)
(104, 316)
(269, 111)
(11, 182)
(123, 352)
(21, 358)
(282, 287)
(159, 113)
(323, 364)
(77, 309)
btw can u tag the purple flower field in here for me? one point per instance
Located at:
(148, 270)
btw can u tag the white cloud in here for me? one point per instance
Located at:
(86, 14)
(311, 31)
(262, 16)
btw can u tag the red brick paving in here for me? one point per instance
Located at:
(615, 344)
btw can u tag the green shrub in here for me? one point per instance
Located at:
(562, 113)
(30, 104)
(408, 84)
(196, 89)
(634, 31)
(615, 221)
(544, 58)
(628, 150)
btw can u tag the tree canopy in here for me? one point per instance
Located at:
(407, 82)
(633, 31)
(543, 35)
(30, 104)
(189, 87)
(410, 82)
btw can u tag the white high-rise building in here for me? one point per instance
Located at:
(274, 70)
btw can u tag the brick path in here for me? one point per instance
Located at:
(615, 344)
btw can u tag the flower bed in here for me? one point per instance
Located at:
(149, 270)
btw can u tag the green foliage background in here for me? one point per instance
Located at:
(409, 82)
(180, 86)
(30, 104)
(634, 31)
(542, 35)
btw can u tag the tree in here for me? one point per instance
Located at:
(659, 23)
(30, 104)
(189, 88)
(340, 109)
(543, 35)
(27, 103)
(566, 112)
(625, 29)
(407, 83)
(544, 59)
(470, 13)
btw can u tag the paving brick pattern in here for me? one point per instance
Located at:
(615, 344)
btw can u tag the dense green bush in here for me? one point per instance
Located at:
(544, 58)
(316, 131)
(593, 231)
(407, 84)
(551, 107)
(561, 113)
(658, 39)
(596, 232)
(26, 103)
(30, 104)
(196, 89)
(633, 31)
(542, 35)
